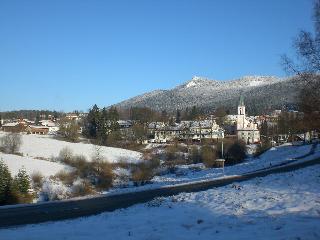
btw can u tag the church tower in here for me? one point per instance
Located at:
(241, 114)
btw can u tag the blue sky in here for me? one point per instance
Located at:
(68, 55)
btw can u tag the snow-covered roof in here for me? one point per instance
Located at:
(38, 127)
(10, 124)
(124, 122)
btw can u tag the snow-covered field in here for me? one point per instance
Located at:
(32, 165)
(47, 147)
(279, 206)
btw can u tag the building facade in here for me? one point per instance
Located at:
(186, 130)
(247, 129)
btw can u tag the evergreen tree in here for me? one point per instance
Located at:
(91, 122)
(23, 181)
(178, 116)
(37, 119)
(113, 117)
(103, 127)
(5, 183)
(194, 113)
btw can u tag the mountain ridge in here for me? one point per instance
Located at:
(260, 92)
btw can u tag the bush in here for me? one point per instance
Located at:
(102, 174)
(81, 165)
(82, 188)
(194, 155)
(98, 171)
(66, 178)
(171, 153)
(66, 155)
(37, 180)
(208, 156)
(11, 142)
(54, 190)
(235, 153)
(144, 171)
(141, 174)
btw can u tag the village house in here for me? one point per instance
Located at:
(17, 126)
(186, 130)
(72, 116)
(40, 130)
(26, 126)
(124, 123)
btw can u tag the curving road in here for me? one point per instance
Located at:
(59, 210)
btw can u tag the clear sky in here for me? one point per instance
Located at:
(70, 54)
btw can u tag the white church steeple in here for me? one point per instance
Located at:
(241, 114)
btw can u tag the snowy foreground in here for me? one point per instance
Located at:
(35, 148)
(279, 206)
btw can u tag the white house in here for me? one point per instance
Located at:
(187, 130)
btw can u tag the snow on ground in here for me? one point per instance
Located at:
(47, 147)
(197, 172)
(32, 165)
(279, 206)
(274, 156)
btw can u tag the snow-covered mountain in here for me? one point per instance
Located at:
(260, 92)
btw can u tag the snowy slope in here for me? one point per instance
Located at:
(260, 92)
(197, 172)
(32, 165)
(46, 147)
(281, 206)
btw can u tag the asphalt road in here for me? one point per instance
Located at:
(73, 208)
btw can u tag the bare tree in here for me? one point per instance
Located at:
(11, 142)
(69, 129)
(306, 66)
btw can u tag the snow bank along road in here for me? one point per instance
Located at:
(42, 212)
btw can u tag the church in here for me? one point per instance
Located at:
(247, 130)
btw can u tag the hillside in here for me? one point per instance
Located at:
(260, 92)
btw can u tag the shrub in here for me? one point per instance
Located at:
(102, 174)
(235, 153)
(208, 156)
(11, 142)
(82, 188)
(37, 180)
(98, 171)
(122, 177)
(66, 178)
(171, 153)
(194, 155)
(66, 155)
(144, 171)
(54, 190)
(141, 174)
(81, 165)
